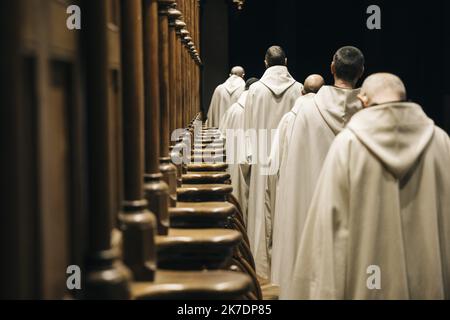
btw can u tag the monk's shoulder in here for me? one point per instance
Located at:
(345, 144)
(441, 135)
(307, 118)
(219, 90)
(306, 106)
(220, 87)
(295, 91)
(441, 141)
(285, 120)
(236, 109)
(258, 88)
(298, 87)
(347, 136)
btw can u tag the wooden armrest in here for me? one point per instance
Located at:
(190, 285)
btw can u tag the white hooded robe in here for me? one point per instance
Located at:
(318, 122)
(277, 160)
(232, 127)
(381, 207)
(268, 101)
(224, 96)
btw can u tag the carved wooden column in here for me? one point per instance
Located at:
(194, 40)
(194, 30)
(183, 33)
(185, 37)
(180, 25)
(105, 277)
(188, 62)
(168, 170)
(137, 223)
(184, 62)
(190, 46)
(157, 191)
(197, 55)
(188, 91)
(174, 14)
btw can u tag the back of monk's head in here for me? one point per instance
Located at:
(313, 84)
(382, 88)
(250, 82)
(275, 56)
(237, 71)
(348, 64)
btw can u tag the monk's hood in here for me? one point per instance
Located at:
(337, 106)
(233, 83)
(300, 100)
(243, 99)
(396, 133)
(278, 80)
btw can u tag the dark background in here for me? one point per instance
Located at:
(414, 42)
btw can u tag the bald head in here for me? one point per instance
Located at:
(313, 84)
(382, 88)
(237, 71)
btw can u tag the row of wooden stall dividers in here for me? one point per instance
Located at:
(182, 234)
(87, 174)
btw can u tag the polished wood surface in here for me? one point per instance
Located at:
(205, 159)
(212, 145)
(206, 178)
(105, 276)
(166, 167)
(202, 167)
(88, 115)
(201, 214)
(152, 90)
(211, 285)
(196, 249)
(164, 79)
(136, 222)
(133, 99)
(173, 15)
(157, 191)
(204, 192)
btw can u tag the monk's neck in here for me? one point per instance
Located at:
(343, 84)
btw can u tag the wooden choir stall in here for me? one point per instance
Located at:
(94, 125)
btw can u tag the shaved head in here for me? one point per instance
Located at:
(382, 88)
(237, 71)
(313, 84)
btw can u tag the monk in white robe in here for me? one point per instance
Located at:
(236, 109)
(318, 122)
(267, 102)
(232, 128)
(379, 222)
(312, 85)
(225, 95)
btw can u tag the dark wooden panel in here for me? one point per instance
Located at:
(115, 158)
(57, 184)
(62, 40)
